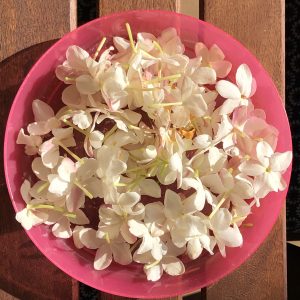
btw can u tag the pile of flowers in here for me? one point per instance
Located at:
(177, 155)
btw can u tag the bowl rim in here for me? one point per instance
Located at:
(82, 28)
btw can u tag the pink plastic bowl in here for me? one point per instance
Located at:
(41, 83)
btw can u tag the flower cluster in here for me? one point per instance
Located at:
(176, 152)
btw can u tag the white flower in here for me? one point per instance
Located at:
(150, 242)
(31, 142)
(153, 269)
(114, 220)
(49, 150)
(225, 235)
(107, 249)
(75, 181)
(214, 58)
(236, 95)
(268, 170)
(44, 118)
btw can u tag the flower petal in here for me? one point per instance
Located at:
(173, 265)
(150, 187)
(62, 228)
(89, 239)
(228, 90)
(154, 273)
(87, 85)
(121, 253)
(222, 68)
(194, 248)
(173, 205)
(244, 80)
(279, 162)
(103, 257)
(204, 75)
(41, 111)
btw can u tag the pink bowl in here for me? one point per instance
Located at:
(41, 83)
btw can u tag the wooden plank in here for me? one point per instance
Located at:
(111, 6)
(259, 26)
(24, 272)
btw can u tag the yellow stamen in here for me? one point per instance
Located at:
(99, 48)
(221, 202)
(130, 38)
(86, 192)
(230, 170)
(268, 170)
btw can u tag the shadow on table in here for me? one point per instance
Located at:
(24, 271)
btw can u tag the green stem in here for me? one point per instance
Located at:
(221, 202)
(99, 48)
(86, 192)
(69, 152)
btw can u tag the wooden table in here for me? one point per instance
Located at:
(27, 29)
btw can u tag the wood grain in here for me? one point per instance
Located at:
(24, 23)
(259, 26)
(111, 6)
(24, 272)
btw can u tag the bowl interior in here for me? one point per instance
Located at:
(41, 83)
